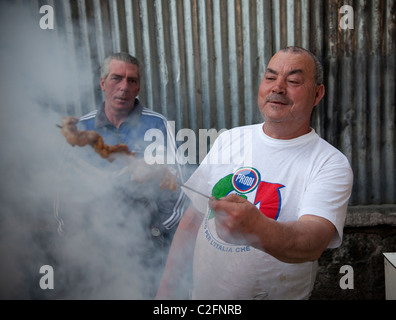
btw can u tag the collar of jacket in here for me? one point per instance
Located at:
(101, 119)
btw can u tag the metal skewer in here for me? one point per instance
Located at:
(201, 194)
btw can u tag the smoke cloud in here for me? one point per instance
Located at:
(50, 214)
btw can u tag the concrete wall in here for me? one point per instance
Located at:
(369, 232)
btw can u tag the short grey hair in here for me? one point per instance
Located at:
(120, 56)
(318, 76)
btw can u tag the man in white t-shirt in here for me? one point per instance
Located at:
(279, 196)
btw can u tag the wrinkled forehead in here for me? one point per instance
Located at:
(286, 62)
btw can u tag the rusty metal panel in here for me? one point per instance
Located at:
(203, 61)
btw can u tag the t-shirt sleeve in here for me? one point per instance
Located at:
(327, 195)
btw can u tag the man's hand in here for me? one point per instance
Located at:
(236, 219)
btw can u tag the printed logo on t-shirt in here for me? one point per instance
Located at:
(246, 182)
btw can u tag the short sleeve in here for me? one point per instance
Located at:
(327, 195)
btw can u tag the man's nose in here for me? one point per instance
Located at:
(124, 84)
(279, 87)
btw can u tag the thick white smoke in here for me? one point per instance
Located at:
(98, 255)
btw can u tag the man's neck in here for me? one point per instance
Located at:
(282, 132)
(116, 118)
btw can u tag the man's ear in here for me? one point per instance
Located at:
(320, 92)
(102, 84)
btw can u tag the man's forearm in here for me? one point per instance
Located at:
(297, 241)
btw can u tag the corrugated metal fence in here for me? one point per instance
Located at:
(204, 60)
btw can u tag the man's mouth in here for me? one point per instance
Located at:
(278, 100)
(123, 99)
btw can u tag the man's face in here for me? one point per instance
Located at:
(288, 92)
(121, 86)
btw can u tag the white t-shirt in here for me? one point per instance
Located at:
(285, 179)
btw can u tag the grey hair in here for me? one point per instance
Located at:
(318, 76)
(120, 56)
